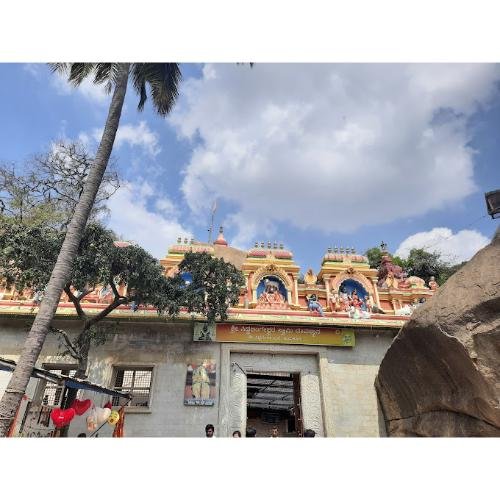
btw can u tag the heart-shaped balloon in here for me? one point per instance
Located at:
(102, 414)
(113, 418)
(108, 405)
(81, 407)
(92, 421)
(62, 418)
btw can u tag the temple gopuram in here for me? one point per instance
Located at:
(344, 288)
(299, 351)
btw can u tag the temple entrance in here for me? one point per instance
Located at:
(273, 400)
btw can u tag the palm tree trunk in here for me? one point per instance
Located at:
(81, 372)
(62, 270)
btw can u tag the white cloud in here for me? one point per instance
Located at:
(330, 147)
(139, 135)
(131, 218)
(249, 231)
(92, 92)
(34, 69)
(453, 247)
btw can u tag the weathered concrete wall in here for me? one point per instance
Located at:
(338, 395)
(166, 347)
(351, 404)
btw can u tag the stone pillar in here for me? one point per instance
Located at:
(311, 402)
(224, 391)
(326, 279)
(237, 401)
(375, 293)
(394, 304)
(295, 291)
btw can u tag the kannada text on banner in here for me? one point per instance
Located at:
(275, 334)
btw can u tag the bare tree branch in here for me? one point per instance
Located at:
(76, 303)
(72, 349)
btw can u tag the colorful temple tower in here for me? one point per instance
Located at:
(345, 285)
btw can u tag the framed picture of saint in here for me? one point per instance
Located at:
(200, 383)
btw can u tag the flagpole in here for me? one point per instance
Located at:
(214, 208)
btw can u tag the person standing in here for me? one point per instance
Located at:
(209, 431)
(251, 432)
(236, 434)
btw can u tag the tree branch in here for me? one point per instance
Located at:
(115, 291)
(71, 347)
(84, 294)
(76, 303)
(105, 312)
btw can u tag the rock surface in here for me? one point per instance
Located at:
(441, 375)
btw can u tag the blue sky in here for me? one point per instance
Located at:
(311, 155)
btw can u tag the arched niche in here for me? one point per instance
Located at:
(349, 285)
(270, 278)
(365, 283)
(271, 272)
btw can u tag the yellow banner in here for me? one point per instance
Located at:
(277, 334)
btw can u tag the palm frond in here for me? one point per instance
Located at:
(139, 83)
(102, 72)
(79, 71)
(163, 80)
(59, 67)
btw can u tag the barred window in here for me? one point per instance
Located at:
(52, 393)
(137, 381)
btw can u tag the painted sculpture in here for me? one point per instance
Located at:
(433, 284)
(313, 305)
(271, 298)
(390, 275)
(310, 278)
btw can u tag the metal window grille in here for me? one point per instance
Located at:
(137, 381)
(52, 393)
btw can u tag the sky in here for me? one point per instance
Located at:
(308, 155)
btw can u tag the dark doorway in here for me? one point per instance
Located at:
(273, 400)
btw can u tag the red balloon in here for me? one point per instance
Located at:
(81, 407)
(108, 405)
(62, 418)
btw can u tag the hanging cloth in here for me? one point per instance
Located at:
(118, 432)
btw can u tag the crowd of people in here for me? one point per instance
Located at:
(251, 432)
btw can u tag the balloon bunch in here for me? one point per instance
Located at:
(96, 418)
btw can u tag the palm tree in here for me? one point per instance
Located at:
(162, 81)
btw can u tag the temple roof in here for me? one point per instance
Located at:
(344, 257)
(220, 239)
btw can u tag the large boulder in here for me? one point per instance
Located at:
(441, 375)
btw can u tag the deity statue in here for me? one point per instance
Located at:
(403, 283)
(406, 310)
(433, 284)
(389, 274)
(271, 297)
(314, 305)
(368, 303)
(343, 299)
(310, 278)
(335, 302)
